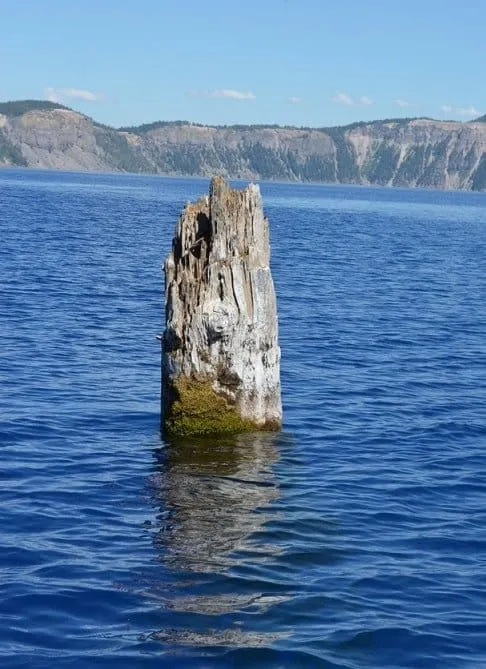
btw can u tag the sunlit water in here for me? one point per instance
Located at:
(354, 539)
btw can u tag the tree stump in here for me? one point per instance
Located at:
(220, 352)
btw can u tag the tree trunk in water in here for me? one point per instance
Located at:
(221, 359)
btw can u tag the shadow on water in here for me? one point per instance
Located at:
(214, 499)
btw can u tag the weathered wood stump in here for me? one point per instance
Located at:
(221, 358)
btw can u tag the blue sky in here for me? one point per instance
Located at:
(297, 62)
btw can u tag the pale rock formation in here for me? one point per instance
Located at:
(221, 358)
(399, 153)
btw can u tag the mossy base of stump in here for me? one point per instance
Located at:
(197, 409)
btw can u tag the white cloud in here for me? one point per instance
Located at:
(404, 104)
(468, 111)
(80, 94)
(51, 95)
(60, 94)
(294, 100)
(228, 93)
(365, 100)
(345, 99)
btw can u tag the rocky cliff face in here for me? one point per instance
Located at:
(58, 138)
(401, 152)
(420, 153)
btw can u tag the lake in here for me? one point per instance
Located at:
(354, 539)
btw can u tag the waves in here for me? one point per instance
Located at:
(354, 539)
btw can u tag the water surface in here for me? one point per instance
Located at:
(354, 539)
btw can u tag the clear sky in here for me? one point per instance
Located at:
(297, 62)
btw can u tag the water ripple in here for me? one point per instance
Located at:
(354, 539)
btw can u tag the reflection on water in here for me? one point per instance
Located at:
(213, 495)
(233, 637)
(214, 499)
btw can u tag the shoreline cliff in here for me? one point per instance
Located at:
(416, 152)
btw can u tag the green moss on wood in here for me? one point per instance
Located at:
(198, 410)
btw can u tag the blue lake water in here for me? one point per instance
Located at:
(354, 539)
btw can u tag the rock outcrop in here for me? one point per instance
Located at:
(221, 358)
(394, 152)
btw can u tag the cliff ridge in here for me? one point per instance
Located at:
(395, 152)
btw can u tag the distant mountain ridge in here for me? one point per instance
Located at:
(408, 152)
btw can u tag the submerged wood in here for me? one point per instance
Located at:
(221, 358)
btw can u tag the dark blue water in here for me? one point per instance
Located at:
(355, 539)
